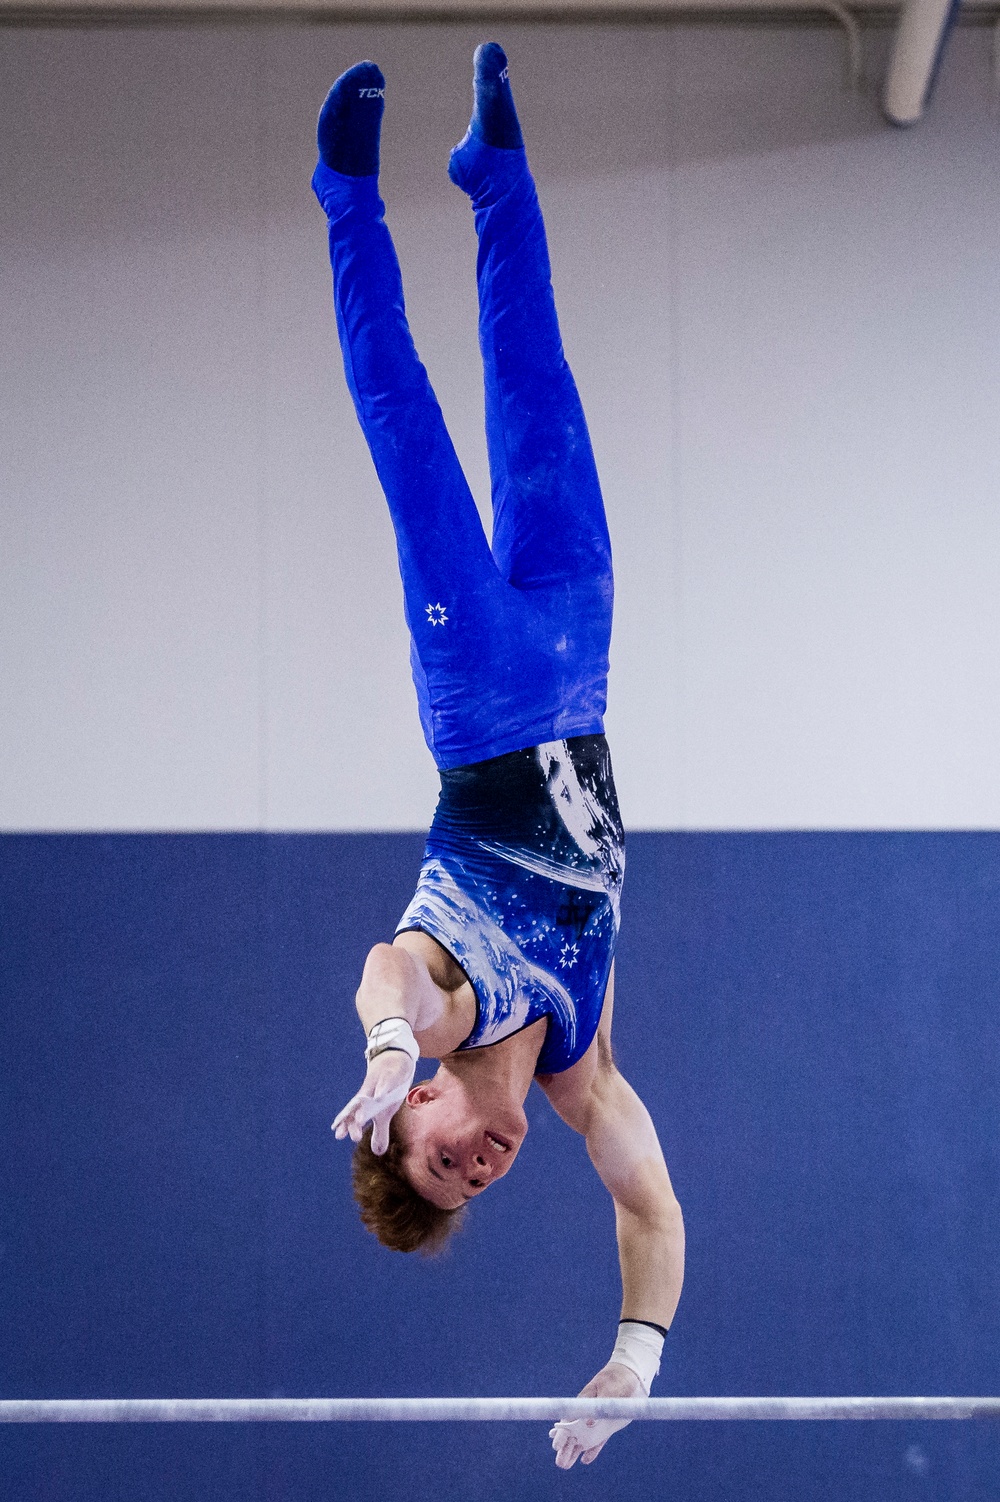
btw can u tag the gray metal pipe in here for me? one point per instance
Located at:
(921, 34)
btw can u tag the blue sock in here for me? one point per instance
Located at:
(494, 118)
(351, 120)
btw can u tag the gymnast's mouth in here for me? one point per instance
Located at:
(499, 1143)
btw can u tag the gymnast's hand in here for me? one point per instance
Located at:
(584, 1439)
(389, 1077)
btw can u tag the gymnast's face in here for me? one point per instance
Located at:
(458, 1144)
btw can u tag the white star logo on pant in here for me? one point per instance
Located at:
(436, 614)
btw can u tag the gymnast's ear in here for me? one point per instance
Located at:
(422, 1094)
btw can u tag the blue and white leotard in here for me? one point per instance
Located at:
(520, 883)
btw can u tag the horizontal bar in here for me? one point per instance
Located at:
(477, 1410)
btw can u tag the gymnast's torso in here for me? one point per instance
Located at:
(520, 883)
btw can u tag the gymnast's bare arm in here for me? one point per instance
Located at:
(599, 1103)
(414, 979)
(595, 1100)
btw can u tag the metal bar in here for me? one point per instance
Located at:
(577, 11)
(921, 36)
(855, 43)
(477, 1410)
(82, 13)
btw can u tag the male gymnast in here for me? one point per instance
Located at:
(501, 967)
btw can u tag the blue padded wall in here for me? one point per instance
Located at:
(810, 1017)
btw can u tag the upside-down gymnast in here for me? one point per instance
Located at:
(501, 966)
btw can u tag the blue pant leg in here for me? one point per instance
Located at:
(550, 535)
(454, 597)
(549, 521)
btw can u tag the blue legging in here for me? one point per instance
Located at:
(509, 644)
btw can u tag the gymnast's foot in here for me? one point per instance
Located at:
(350, 122)
(494, 124)
(494, 118)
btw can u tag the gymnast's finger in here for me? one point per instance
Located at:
(567, 1454)
(566, 1446)
(351, 1119)
(340, 1120)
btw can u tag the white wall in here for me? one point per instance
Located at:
(785, 322)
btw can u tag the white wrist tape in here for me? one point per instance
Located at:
(393, 1032)
(639, 1347)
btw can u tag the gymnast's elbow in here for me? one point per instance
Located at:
(645, 1198)
(388, 980)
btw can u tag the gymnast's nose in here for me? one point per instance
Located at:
(480, 1168)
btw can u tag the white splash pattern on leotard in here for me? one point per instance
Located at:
(521, 883)
(580, 877)
(580, 813)
(481, 947)
(586, 821)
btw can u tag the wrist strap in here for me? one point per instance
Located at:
(639, 1346)
(392, 1032)
(660, 1329)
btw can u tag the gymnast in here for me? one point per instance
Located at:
(501, 966)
